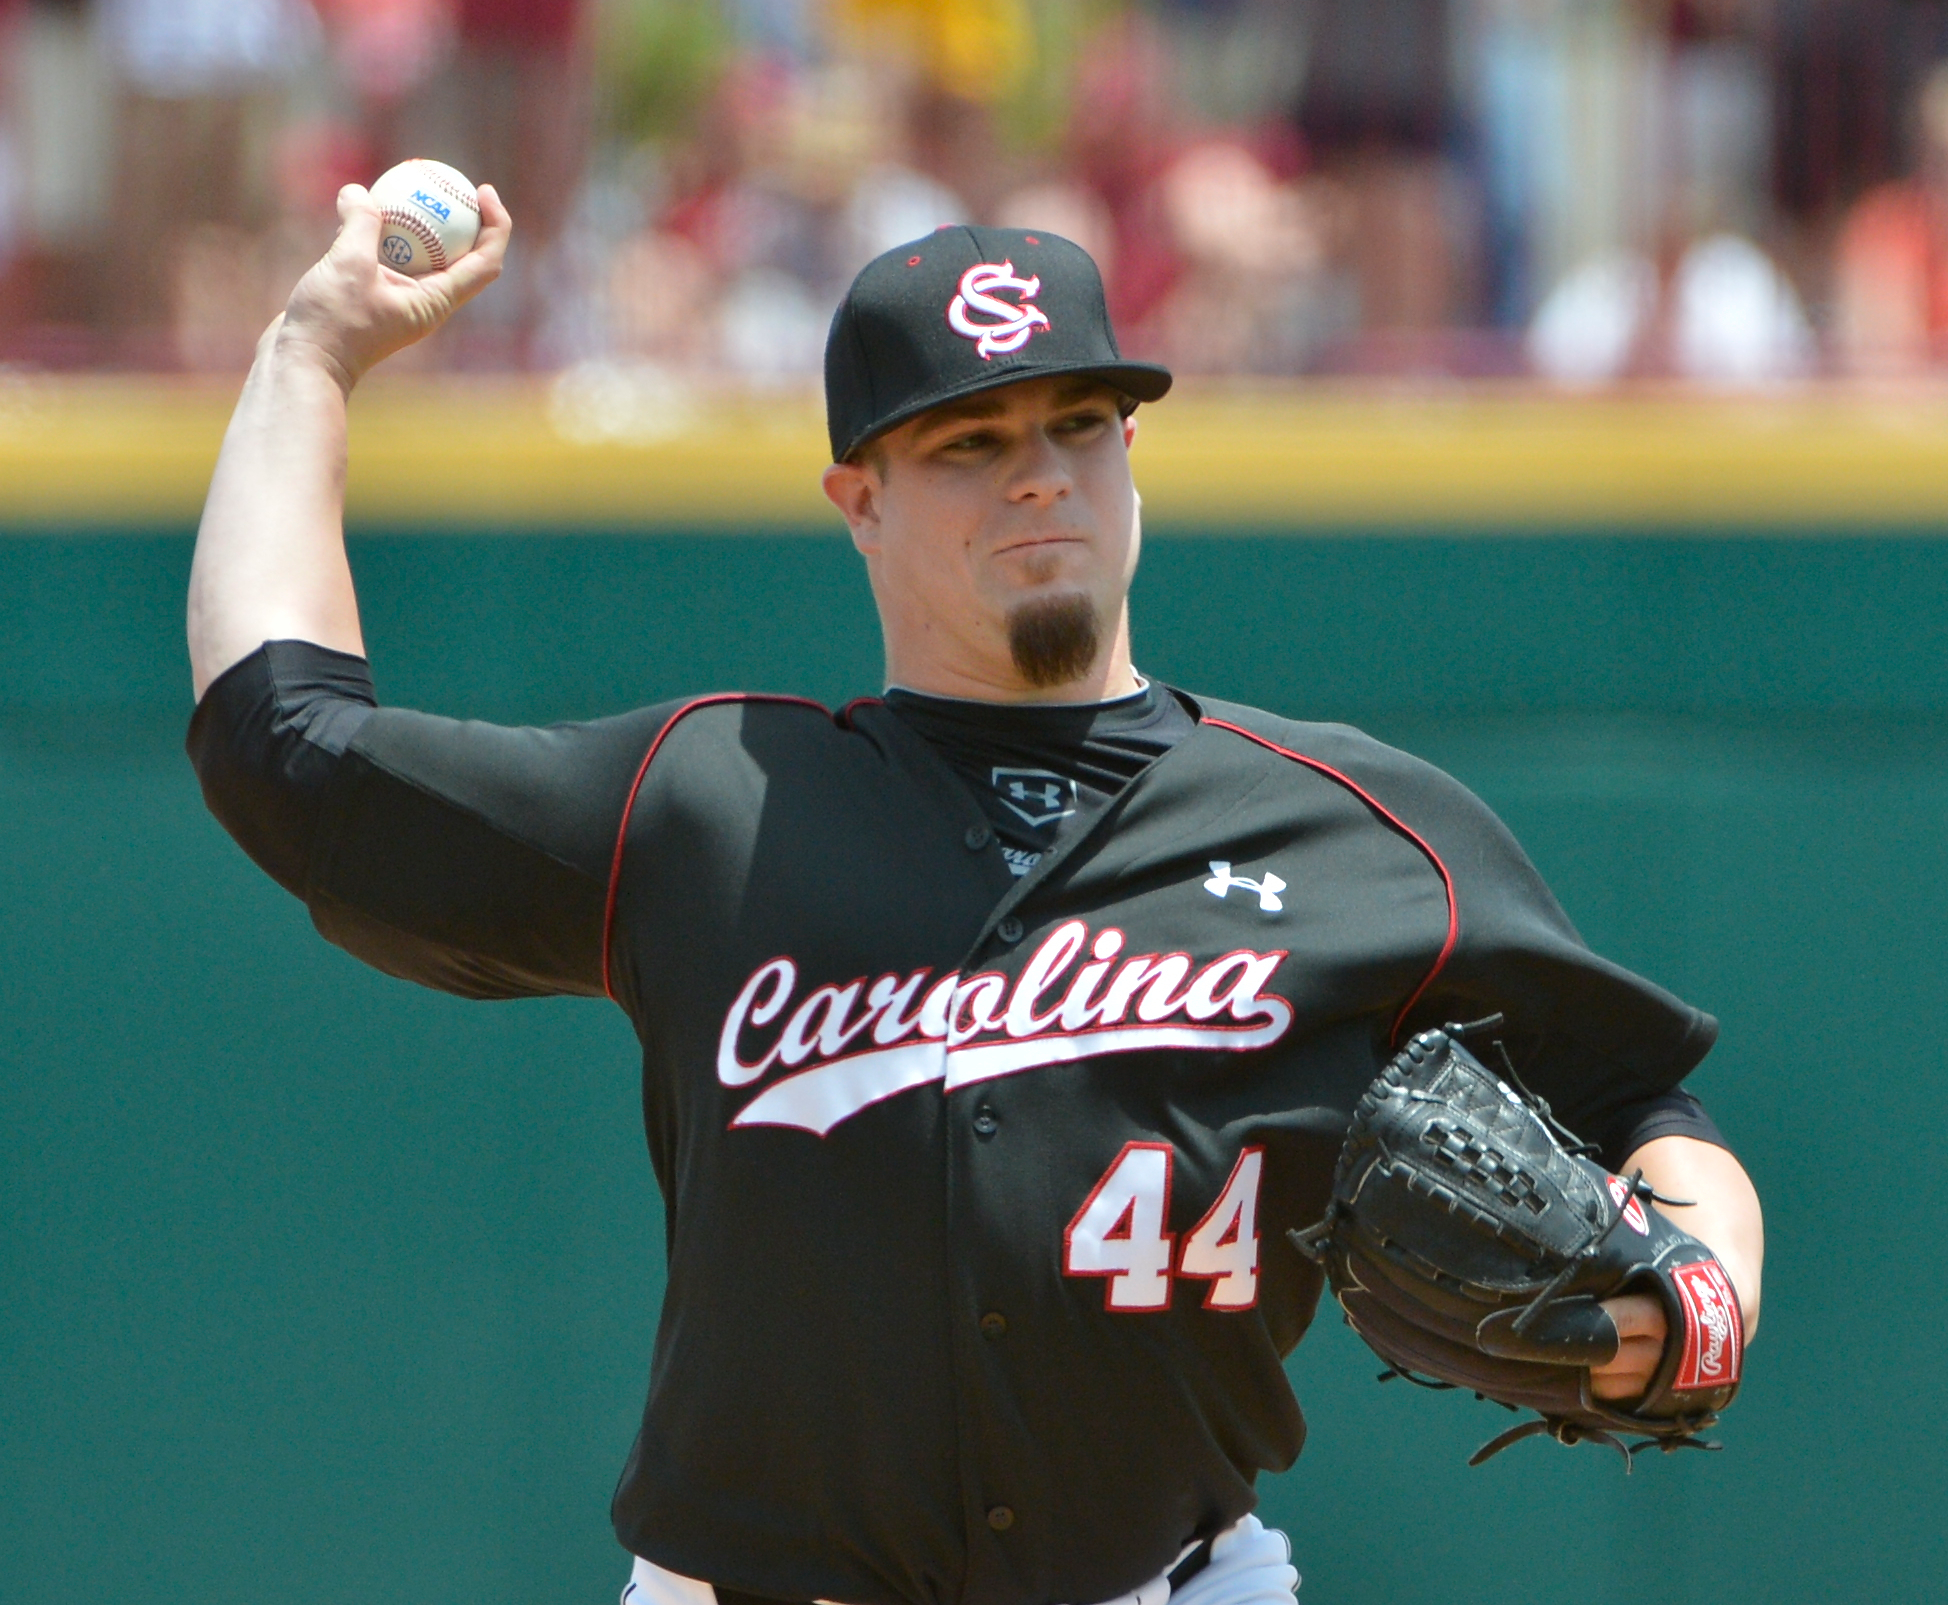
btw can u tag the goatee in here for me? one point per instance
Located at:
(1054, 641)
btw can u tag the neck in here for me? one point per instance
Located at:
(997, 679)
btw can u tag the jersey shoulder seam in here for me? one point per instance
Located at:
(1296, 732)
(1393, 822)
(695, 704)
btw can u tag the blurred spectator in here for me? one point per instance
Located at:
(1239, 63)
(1711, 137)
(1069, 209)
(184, 50)
(973, 51)
(1719, 314)
(1246, 300)
(1557, 92)
(818, 186)
(1270, 187)
(196, 121)
(1845, 80)
(1709, 305)
(384, 49)
(521, 86)
(1123, 130)
(1380, 117)
(1892, 280)
(12, 200)
(12, 155)
(229, 278)
(890, 204)
(56, 103)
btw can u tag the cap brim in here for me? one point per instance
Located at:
(1141, 381)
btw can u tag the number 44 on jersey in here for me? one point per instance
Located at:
(1122, 1233)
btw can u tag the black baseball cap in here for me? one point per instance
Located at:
(965, 310)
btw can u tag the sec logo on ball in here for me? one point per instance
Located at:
(431, 216)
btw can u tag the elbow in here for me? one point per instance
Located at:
(262, 770)
(270, 824)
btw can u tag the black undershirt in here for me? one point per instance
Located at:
(1035, 768)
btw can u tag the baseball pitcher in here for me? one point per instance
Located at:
(1025, 1047)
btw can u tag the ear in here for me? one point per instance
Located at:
(1129, 431)
(854, 489)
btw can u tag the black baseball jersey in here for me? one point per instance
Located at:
(976, 1181)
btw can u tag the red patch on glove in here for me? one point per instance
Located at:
(1714, 1327)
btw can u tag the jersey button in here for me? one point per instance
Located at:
(977, 837)
(984, 1122)
(994, 1325)
(1001, 1518)
(1010, 930)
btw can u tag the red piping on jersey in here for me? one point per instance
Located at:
(629, 807)
(1398, 824)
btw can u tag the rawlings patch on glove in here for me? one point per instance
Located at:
(1470, 1245)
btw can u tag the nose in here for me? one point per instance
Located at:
(1040, 473)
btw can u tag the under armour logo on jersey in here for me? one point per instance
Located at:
(1039, 796)
(1012, 325)
(1222, 880)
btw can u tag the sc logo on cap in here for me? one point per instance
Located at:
(1012, 325)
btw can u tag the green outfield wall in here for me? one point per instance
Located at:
(318, 1288)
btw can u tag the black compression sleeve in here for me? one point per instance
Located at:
(265, 741)
(466, 856)
(1671, 1114)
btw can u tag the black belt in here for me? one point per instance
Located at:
(1195, 1559)
(1198, 1557)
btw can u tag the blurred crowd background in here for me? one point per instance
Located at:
(1724, 192)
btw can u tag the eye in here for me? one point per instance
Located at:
(969, 444)
(1081, 423)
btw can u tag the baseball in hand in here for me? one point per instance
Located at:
(430, 216)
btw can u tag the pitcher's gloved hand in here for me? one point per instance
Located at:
(1471, 1246)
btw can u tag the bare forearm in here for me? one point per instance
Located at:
(270, 553)
(1725, 1216)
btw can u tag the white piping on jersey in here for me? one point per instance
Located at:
(975, 1029)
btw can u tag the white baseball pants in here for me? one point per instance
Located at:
(1251, 1564)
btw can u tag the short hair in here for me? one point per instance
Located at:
(871, 454)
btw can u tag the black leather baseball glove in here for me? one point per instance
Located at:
(1470, 1239)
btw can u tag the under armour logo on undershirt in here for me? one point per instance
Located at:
(1267, 888)
(1039, 796)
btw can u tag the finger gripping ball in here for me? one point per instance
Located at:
(430, 216)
